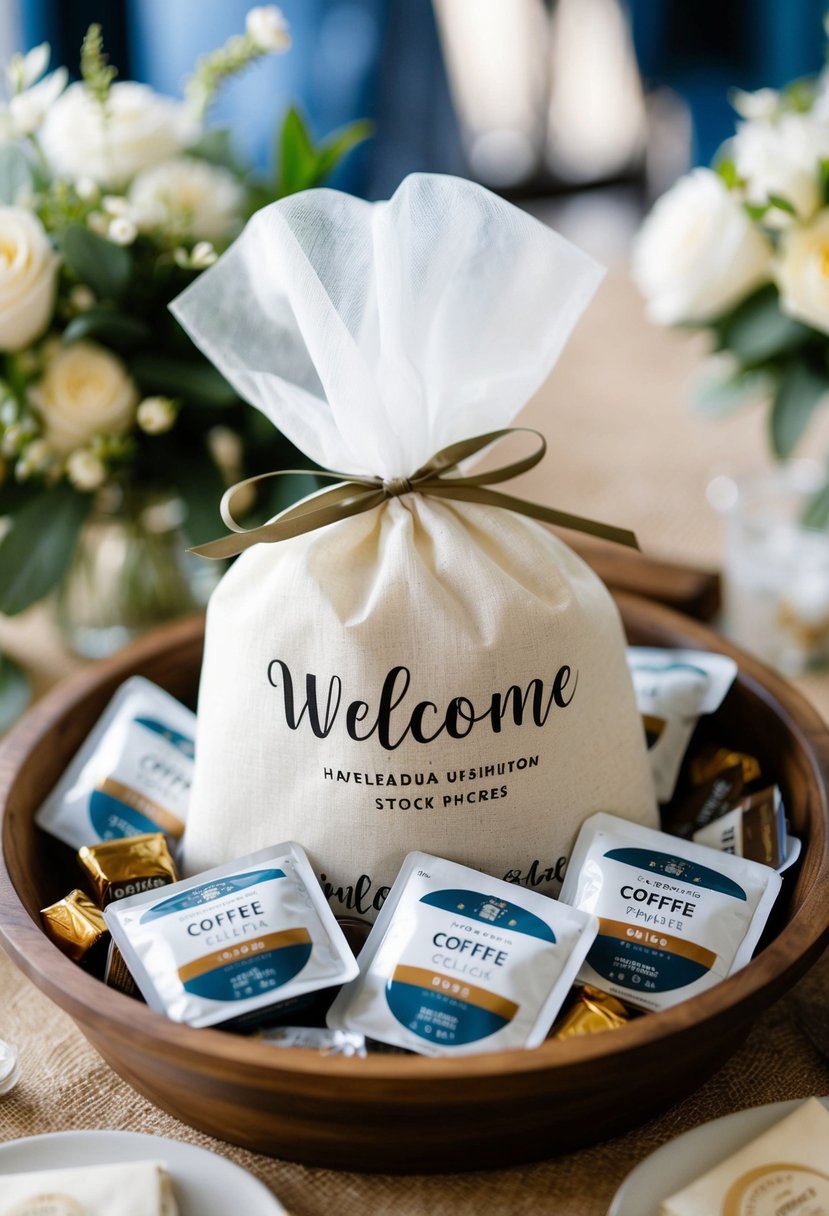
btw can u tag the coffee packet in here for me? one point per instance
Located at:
(674, 917)
(247, 937)
(673, 689)
(459, 962)
(132, 775)
(755, 828)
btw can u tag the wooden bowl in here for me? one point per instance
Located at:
(407, 1112)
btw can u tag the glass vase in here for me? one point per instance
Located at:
(775, 567)
(130, 571)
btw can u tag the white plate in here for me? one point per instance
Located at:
(681, 1161)
(204, 1183)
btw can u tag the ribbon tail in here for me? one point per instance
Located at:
(340, 502)
(548, 515)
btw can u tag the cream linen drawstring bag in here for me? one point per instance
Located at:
(428, 672)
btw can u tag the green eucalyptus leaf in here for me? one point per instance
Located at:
(14, 692)
(104, 267)
(16, 177)
(197, 382)
(799, 393)
(115, 329)
(823, 179)
(37, 549)
(758, 330)
(816, 514)
(297, 157)
(718, 397)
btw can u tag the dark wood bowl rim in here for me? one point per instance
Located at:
(85, 998)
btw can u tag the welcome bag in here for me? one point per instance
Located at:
(424, 673)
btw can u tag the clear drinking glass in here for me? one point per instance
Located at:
(775, 569)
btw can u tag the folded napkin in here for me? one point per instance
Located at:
(135, 1188)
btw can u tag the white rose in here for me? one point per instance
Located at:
(781, 157)
(85, 391)
(28, 278)
(698, 254)
(268, 28)
(192, 197)
(802, 272)
(139, 128)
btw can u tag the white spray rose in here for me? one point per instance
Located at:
(190, 196)
(84, 391)
(85, 470)
(698, 254)
(802, 272)
(28, 278)
(139, 128)
(156, 415)
(781, 157)
(268, 28)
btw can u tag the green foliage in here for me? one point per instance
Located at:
(116, 329)
(302, 164)
(96, 72)
(195, 381)
(200, 485)
(15, 174)
(216, 146)
(93, 260)
(718, 397)
(757, 331)
(14, 692)
(799, 392)
(37, 549)
(816, 514)
(727, 170)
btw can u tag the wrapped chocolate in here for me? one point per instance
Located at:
(125, 867)
(673, 689)
(132, 775)
(710, 761)
(76, 925)
(408, 659)
(591, 1012)
(755, 828)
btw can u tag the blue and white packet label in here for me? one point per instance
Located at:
(132, 774)
(674, 917)
(243, 937)
(459, 963)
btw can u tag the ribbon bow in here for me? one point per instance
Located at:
(355, 494)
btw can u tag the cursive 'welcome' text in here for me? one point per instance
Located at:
(424, 721)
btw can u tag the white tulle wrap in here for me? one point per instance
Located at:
(373, 335)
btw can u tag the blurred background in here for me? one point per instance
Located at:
(534, 98)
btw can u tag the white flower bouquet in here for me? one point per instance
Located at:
(742, 250)
(112, 199)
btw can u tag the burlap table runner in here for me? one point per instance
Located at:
(623, 446)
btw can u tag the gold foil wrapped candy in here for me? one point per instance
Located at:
(75, 924)
(118, 868)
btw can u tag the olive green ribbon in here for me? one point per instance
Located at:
(355, 494)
